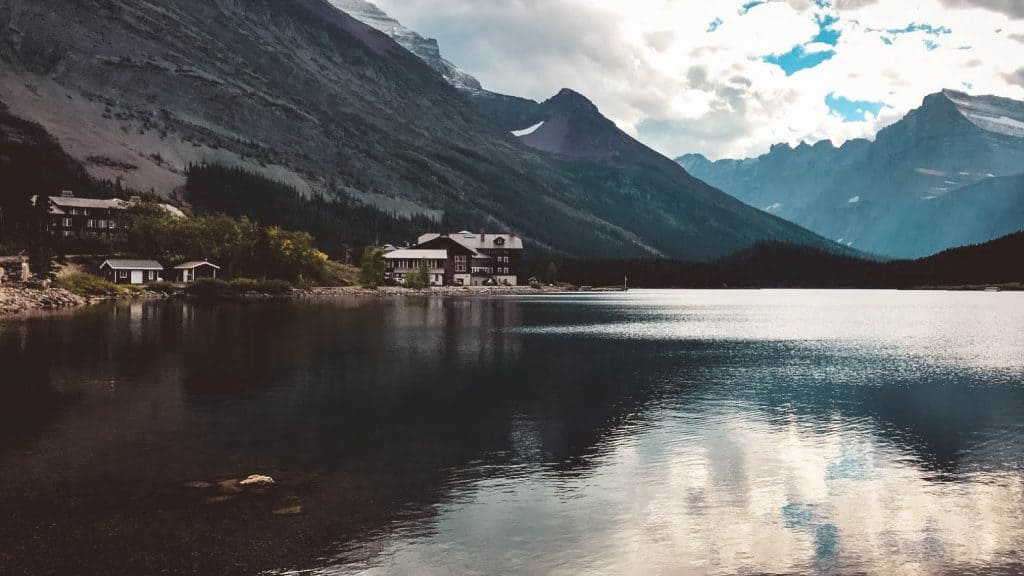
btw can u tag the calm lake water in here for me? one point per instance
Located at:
(652, 432)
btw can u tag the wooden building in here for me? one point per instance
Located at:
(400, 263)
(493, 258)
(191, 271)
(132, 271)
(95, 218)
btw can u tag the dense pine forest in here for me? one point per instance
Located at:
(341, 226)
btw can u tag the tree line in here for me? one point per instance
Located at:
(242, 247)
(777, 265)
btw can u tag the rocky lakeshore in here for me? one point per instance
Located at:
(16, 299)
(453, 291)
(19, 298)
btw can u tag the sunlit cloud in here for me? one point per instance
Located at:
(731, 77)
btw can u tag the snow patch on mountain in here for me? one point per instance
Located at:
(528, 131)
(991, 113)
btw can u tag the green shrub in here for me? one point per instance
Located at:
(371, 267)
(419, 278)
(243, 285)
(165, 287)
(273, 287)
(89, 285)
(210, 288)
(270, 287)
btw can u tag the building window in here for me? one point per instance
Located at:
(101, 223)
(67, 222)
(90, 223)
(111, 224)
(123, 274)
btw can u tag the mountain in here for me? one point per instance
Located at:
(932, 180)
(425, 48)
(301, 93)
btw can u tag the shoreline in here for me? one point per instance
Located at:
(392, 291)
(17, 299)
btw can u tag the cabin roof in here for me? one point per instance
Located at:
(104, 203)
(118, 264)
(195, 264)
(57, 203)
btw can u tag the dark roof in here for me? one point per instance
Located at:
(474, 242)
(116, 264)
(446, 243)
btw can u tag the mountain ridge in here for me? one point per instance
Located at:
(867, 193)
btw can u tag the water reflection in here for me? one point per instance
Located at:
(663, 432)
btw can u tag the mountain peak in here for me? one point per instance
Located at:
(569, 102)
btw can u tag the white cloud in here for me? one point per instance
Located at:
(658, 71)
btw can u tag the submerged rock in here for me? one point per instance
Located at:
(257, 481)
(289, 511)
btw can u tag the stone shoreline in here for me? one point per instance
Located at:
(393, 291)
(17, 299)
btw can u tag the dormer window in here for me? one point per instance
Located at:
(499, 241)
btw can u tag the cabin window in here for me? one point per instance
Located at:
(460, 263)
(122, 274)
(67, 222)
(110, 223)
(90, 223)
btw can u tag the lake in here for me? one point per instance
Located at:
(648, 432)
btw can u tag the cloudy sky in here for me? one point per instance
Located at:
(730, 77)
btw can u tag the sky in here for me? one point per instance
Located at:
(729, 78)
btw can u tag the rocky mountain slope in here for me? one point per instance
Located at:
(928, 182)
(303, 94)
(426, 48)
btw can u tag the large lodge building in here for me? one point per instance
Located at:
(98, 218)
(463, 259)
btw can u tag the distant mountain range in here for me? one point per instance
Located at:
(949, 173)
(299, 92)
